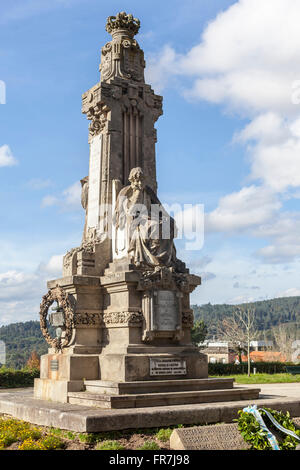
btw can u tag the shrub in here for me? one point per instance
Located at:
(52, 443)
(164, 434)
(149, 445)
(12, 430)
(88, 438)
(30, 444)
(234, 369)
(110, 445)
(10, 378)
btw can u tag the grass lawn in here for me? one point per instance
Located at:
(264, 378)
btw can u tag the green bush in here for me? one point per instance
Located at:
(164, 434)
(110, 445)
(149, 445)
(10, 378)
(257, 438)
(234, 369)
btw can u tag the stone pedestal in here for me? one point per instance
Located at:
(127, 328)
(65, 371)
(146, 327)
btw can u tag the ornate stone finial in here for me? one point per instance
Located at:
(124, 22)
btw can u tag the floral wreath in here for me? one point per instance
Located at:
(59, 295)
(257, 437)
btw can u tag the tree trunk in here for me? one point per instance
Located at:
(248, 347)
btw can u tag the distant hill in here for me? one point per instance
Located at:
(20, 340)
(23, 338)
(269, 313)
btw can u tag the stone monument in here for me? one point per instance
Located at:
(123, 318)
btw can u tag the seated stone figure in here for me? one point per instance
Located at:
(149, 230)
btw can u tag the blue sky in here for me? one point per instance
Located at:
(229, 137)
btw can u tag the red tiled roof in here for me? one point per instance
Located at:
(265, 356)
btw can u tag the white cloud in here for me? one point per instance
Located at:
(206, 276)
(241, 299)
(38, 183)
(292, 292)
(245, 209)
(248, 61)
(69, 199)
(72, 195)
(284, 232)
(248, 57)
(21, 292)
(53, 266)
(17, 285)
(6, 156)
(49, 201)
(160, 68)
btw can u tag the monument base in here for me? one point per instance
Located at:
(21, 404)
(117, 395)
(56, 390)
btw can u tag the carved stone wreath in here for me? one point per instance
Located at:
(59, 295)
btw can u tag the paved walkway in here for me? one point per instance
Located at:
(289, 390)
(23, 391)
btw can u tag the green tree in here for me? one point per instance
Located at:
(199, 332)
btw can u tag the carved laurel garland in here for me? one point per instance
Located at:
(59, 295)
(130, 318)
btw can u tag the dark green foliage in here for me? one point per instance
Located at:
(20, 340)
(10, 378)
(234, 369)
(199, 332)
(268, 313)
(257, 438)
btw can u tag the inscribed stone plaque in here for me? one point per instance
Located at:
(57, 319)
(214, 437)
(167, 367)
(54, 365)
(94, 181)
(166, 310)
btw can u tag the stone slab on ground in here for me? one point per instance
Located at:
(22, 405)
(214, 437)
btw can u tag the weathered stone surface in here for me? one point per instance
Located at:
(20, 404)
(220, 437)
(142, 400)
(123, 388)
(214, 437)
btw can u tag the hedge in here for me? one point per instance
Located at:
(234, 369)
(10, 378)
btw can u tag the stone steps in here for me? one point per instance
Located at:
(156, 386)
(161, 399)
